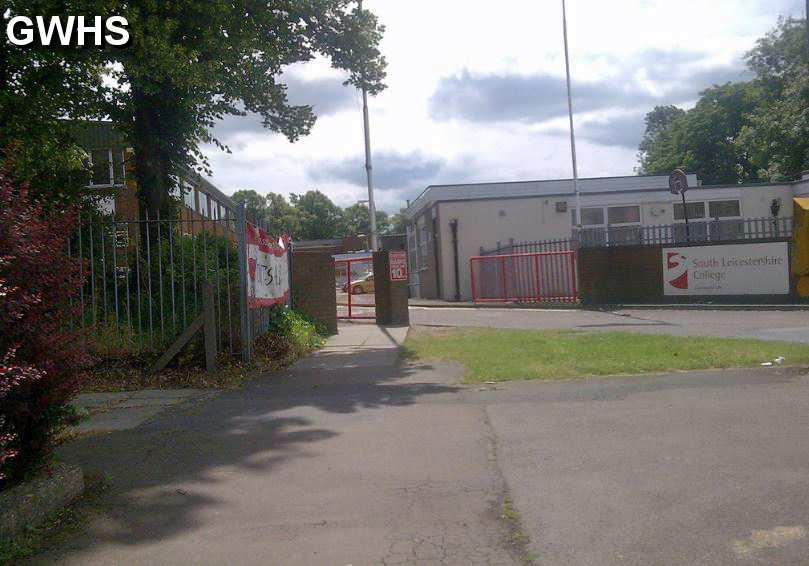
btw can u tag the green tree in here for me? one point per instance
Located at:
(358, 220)
(282, 217)
(38, 87)
(777, 133)
(745, 131)
(703, 139)
(192, 63)
(398, 224)
(657, 122)
(255, 205)
(318, 216)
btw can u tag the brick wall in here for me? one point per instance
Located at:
(313, 291)
(623, 274)
(391, 296)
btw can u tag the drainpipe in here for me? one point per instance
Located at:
(454, 227)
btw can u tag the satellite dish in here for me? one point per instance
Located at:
(678, 182)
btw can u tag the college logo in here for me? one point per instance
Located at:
(673, 261)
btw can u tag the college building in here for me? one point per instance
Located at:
(203, 207)
(449, 224)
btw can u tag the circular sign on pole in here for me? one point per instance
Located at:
(678, 182)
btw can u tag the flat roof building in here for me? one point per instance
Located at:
(449, 223)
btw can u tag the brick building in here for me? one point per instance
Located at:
(110, 156)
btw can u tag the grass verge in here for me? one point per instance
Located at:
(502, 355)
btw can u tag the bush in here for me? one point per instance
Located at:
(290, 336)
(41, 359)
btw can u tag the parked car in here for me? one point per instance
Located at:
(362, 285)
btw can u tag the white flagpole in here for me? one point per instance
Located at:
(570, 115)
(368, 167)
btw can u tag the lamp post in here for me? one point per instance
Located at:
(369, 170)
(570, 116)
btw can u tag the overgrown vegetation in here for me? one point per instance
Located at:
(41, 359)
(290, 336)
(501, 355)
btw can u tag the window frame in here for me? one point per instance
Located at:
(110, 168)
(702, 218)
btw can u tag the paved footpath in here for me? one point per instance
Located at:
(347, 458)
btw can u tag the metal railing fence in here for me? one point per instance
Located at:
(524, 277)
(142, 281)
(697, 232)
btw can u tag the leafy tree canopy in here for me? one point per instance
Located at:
(358, 220)
(741, 132)
(313, 216)
(190, 64)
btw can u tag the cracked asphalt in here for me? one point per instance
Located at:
(350, 458)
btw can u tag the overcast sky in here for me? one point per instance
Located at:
(476, 93)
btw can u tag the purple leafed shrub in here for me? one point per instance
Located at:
(41, 359)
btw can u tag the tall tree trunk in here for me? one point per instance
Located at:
(152, 165)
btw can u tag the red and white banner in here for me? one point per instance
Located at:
(267, 268)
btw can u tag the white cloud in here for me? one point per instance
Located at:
(630, 53)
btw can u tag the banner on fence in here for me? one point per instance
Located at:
(267, 268)
(733, 269)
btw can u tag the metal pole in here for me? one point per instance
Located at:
(685, 215)
(368, 167)
(570, 115)
(241, 239)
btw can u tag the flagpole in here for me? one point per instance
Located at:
(369, 170)
(570, 115)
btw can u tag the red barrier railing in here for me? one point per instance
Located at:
(528, 277)
(354, 284)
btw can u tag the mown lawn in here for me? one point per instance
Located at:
(501, 355)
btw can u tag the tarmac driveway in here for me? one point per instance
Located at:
(762, 324)
(697, 468)
(352, 458)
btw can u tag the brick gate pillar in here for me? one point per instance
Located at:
(313, 291)
(391, 295)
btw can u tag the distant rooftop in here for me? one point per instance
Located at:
(551, 187)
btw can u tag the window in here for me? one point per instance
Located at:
(695, 210)
(623, 214)
(101, 173)
(724, 209)
(424, 238)
(188, 196)
(589, 216)
(592, 216)
(118, 167)
(205, 204)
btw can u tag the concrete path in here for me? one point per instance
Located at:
(345, 459)
(762, 324)
(128, 409)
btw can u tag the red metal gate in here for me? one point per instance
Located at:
(528, 277)
(354, 282)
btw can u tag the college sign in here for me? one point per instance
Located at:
(267, 268)
(735, 269)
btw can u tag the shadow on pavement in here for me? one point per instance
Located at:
(248, 431)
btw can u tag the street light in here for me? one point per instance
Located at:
(368, 167)
(570, 115)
